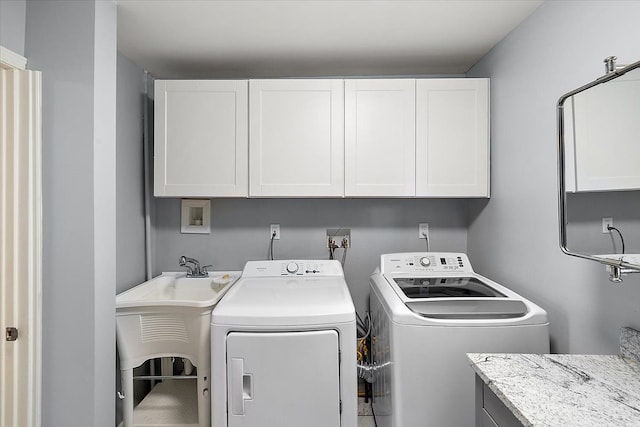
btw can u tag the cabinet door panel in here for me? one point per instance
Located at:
(452, 134)
(380, 137)
(297, 138)
(201, 138)
(606, 136)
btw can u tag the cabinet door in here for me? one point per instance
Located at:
(606, 129)
(201, 138)
(452, 138)
(297, 138)
(284, 379)
(380, 137)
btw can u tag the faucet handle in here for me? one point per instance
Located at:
(204, 269)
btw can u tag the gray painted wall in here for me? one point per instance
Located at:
(130, 253)
(73, 44)
(586, 210)
(514, 238)
(12, 24)
(240, 232)
(129, 167)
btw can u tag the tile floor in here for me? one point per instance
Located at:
(366, 421)
(365, 414)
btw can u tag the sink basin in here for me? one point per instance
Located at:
(169, 315)
(175, 289)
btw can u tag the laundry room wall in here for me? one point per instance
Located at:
(130, 232)
(130, 256)
(73, 44)
(13, 15)
(585, 213)
(514, 237)
(240, 232)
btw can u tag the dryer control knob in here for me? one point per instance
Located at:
(424, 261)
(292, 267)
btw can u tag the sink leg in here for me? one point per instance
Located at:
(204, 402)
(127, 402)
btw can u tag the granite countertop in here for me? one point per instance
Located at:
(567, 389)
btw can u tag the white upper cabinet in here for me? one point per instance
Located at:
(322, 138)
(380, 137)
(297, 138)
(452, 138)
(606, 127)
(201, 138)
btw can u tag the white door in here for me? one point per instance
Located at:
(452, 138)
(296, 137)
(284, 379)
(201, 138)
(20, 247)
(380, 137)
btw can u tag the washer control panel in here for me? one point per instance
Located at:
(277, 268)
(425, 262)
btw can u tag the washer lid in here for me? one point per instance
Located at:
(285, 301)
(445, 287)
(469, 309)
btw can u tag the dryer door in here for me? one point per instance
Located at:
(285, 379)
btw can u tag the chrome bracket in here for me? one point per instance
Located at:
(616, 274)
(610, 64)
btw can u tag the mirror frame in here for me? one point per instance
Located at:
(612, 72)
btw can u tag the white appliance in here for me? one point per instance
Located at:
(428, 310)
(284, 348)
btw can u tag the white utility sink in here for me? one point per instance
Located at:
(169, 316)
(176, 289)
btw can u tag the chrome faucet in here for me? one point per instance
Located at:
(193, 270)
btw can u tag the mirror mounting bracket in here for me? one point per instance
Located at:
(610, 65)
(618, 267)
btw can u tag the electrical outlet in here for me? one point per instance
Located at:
(423, 229)
(275, 228)
(606, 223)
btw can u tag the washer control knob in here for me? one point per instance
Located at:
(424, 261)
(292, 267)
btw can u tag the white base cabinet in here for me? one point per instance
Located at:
(201, 138)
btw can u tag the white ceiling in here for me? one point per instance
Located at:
(269, 38)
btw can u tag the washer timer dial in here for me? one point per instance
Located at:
(292, 267)
(424, 261)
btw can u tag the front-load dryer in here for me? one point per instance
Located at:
(428, 310)
(284, 348)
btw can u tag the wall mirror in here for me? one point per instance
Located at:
(599, 170)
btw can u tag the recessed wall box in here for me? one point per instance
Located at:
(196, 216)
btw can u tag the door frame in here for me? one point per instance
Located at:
(26, 295)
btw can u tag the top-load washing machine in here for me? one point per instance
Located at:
(284, 348)
(428, 310)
